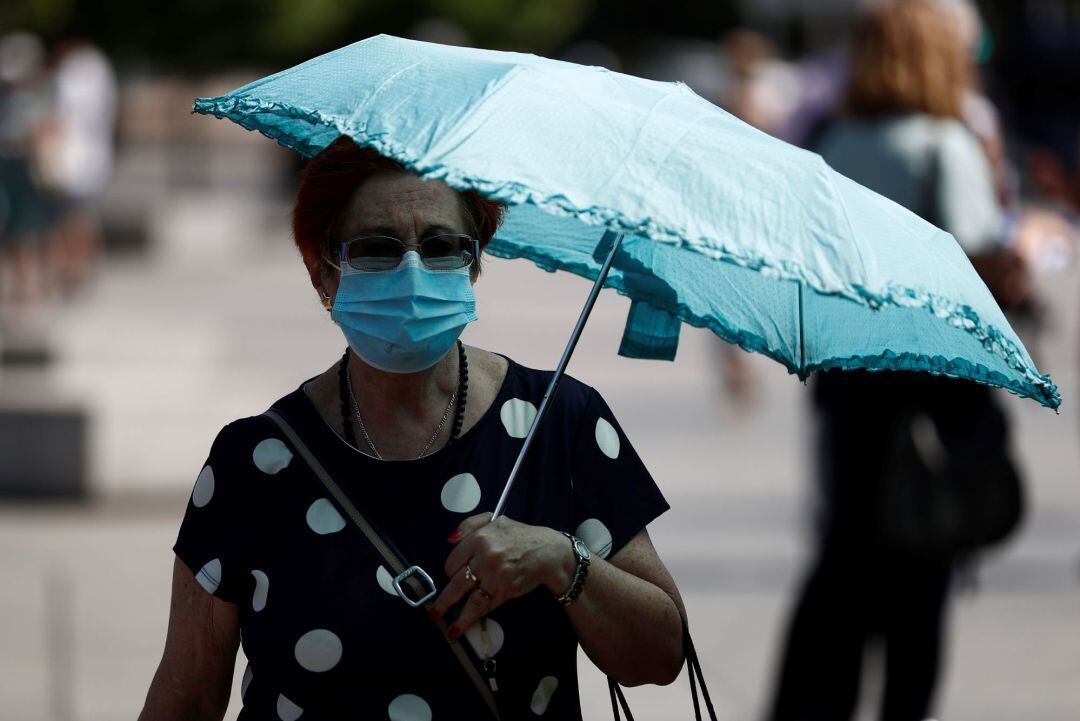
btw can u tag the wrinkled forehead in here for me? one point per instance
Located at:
(405, 204)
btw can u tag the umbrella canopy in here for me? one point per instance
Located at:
(725, 227)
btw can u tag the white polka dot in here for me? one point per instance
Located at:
(248, 675)
(517, 415)
(209, 576)
(607, 438)
(262, 586)
(323, 518)
(596, 536)
(542, 695)
(204, 487)
(271, 455)
(461, 493)
(408, 707)
(386, 581)
(486, 637)
(318, 650)
(286, 709)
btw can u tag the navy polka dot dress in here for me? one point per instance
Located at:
(324, 631)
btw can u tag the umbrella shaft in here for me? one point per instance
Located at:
(609, 237)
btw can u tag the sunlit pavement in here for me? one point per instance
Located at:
(163, 354)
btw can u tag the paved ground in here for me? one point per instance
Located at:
(165, 351)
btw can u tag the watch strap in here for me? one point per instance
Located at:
(582, 570)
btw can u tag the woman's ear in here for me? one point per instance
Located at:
(322, 277)
(328, 281)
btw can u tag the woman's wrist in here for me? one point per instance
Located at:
(563, 563)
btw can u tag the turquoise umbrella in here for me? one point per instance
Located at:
(645, 187)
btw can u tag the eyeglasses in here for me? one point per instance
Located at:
(442, 251)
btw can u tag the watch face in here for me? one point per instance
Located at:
(582, 549)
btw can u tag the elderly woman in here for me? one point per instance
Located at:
(420, 431)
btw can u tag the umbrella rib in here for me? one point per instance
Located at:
(802, 336)
(615, 239)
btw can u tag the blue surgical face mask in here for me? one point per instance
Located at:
(403, 320)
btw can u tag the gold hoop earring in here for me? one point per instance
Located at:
(327, 303)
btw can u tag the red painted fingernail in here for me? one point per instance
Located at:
(454, 633)
(455, 536)
(434, 614)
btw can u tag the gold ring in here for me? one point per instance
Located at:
(470, 576)
(482, 592)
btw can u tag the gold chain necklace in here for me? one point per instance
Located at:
(367, 438)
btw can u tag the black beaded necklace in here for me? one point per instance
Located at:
(462, 394)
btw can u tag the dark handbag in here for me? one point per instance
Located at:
(949, 487)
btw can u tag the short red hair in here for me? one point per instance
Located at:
(329, 180)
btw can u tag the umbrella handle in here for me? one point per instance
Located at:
(615, 239)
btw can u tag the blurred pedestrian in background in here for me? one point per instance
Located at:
(57, 121)
(77, 160)
(884, 440)
(1033, 238)
(761, 88)
(24, 107)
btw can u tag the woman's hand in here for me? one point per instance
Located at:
(627, 621)
(507, 559)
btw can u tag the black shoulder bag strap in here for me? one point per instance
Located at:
(405, 574)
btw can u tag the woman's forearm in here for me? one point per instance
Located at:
(172, 697)
(629, 627)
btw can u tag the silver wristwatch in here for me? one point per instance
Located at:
(581, 553)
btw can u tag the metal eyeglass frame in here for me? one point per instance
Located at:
(342, 254)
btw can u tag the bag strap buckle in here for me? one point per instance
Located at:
(421, 584)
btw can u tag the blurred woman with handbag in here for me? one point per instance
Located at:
(915, 471)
